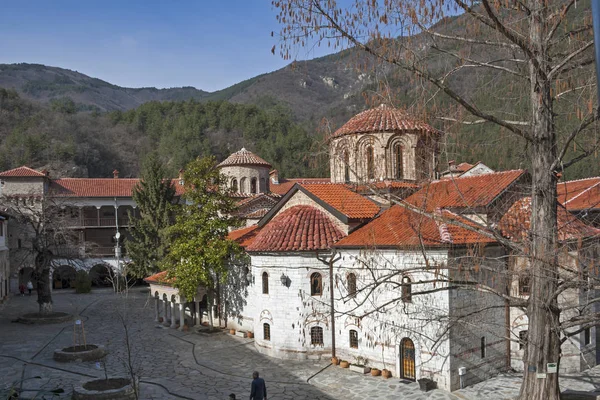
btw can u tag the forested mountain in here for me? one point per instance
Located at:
(83, 126)
(81, 144)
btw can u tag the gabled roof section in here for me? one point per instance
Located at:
(581, 194)
(299, 228)
(244, 236)
(22, 172)
(402, 228)
(515, 224)
(337, 199)
(468, 192)
(285, 185)
(344, 200)
(383, 119)
(244, 157)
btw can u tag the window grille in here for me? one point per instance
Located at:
(316, 336)
(266, 331)
(353, 339)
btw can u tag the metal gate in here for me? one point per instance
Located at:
(407, 359)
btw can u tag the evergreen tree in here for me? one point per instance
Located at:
(154, 197)
(200, 250)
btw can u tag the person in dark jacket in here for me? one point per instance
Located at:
(258, 390)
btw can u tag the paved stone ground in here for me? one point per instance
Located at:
(180, 365)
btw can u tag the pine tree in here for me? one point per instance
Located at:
(148, 244)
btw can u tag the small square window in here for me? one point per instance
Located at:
(316, 336)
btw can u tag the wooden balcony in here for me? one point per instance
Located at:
(109, 222)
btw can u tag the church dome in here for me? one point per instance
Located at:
(382, 119)
(244, 157)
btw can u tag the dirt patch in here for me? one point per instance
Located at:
(106, 384)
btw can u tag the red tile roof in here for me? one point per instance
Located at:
(382, 185)
(160, 278)
(285, 185)
(466, 192)
(22, 172)
(582, 194)
(463, 167)
(344, 200)
(401, 227)
(256, 214)
(299, 228)
(383, 119)
(516, 222)
(99, 187)
(244, 236)
(244, 157)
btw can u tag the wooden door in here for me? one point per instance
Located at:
(407, 359)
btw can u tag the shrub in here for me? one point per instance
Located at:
(83, 282)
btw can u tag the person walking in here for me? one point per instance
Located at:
(258, 390)
(29, 287)
(22, 289)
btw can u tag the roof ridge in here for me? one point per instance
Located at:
(578, 180)
(582, 192)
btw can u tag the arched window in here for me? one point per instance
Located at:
(266, 331)
(265, 283)
(524, 286)
(346, 166)
(370, 163)
(351, 285)
(406, 290)
(522, 339)
(353, 339)
(243, 187)
(253, 185)
(398, 162)
(316, 284)
(316, 336)
(234, 185)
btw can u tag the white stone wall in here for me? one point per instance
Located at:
(380, 333)
(289, 310)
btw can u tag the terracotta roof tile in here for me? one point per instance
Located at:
(516, 222)
(244, 157)
(99, 187)
(160, 278)
(256, 214)
(285, 185)
(467, 192)
(383, 185)
(299, 228)
(344, 200)
(582, 194)
(401, 227)
(244, 236)
(383, 119)
(22, 172)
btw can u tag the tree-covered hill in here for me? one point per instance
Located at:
(80, 144)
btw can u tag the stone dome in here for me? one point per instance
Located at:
(244, 157)
(382, 119)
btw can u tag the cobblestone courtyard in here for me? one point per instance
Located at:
(188, 365)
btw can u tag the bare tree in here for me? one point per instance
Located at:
(539, 49)
(39, 223)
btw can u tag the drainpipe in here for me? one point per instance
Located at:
(331, 307)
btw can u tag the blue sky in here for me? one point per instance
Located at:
(207, 44)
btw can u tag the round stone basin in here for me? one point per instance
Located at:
(105, 389)
(89, 352)
(49, 318)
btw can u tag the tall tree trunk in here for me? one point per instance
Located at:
(44, 295)
(543, 340)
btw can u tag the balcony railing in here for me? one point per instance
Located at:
(97, 222)
(79, 252)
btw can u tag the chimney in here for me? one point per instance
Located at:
(45, 172)
(181, 176)
(116, 174)
(274, 175)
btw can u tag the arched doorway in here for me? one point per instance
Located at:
(63, 277)
(100, 275)
(407, 359)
